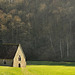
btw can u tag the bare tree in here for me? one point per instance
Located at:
(61, 49)
(67, 47)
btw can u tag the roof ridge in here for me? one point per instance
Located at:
(8, 50)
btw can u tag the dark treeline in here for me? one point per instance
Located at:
(45, 28)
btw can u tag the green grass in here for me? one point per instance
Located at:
(10, 71)
(50, 63)
(41, 68)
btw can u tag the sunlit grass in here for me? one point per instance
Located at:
(10, 71)
(40, 69)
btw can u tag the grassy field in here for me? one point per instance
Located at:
(41, 68)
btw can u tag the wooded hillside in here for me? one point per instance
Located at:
(45, 28)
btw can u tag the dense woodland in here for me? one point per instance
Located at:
(45, 28)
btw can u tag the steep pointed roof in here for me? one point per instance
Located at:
(7, 51)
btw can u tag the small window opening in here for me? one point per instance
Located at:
(19, 58)
(4, 62)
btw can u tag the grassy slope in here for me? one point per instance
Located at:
(50, 69)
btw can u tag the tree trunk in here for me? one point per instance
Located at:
(67, 48)
(61, 49)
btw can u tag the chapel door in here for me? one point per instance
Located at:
(19, 65)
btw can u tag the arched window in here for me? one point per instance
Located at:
(19, 59)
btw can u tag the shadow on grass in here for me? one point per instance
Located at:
(50, 63)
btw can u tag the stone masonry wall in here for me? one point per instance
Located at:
(8, 62)
(16, 61)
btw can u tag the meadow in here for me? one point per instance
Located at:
(41, 68)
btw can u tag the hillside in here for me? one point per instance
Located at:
(45, 28)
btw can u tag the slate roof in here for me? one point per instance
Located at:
(7, 51)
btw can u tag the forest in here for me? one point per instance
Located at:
(44, 28)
